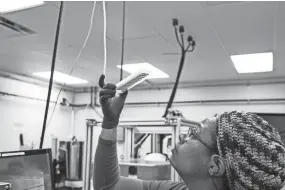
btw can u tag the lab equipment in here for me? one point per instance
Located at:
(5, 186)
(175, 128)
(68, 162)
(30, 169)
(90, 124)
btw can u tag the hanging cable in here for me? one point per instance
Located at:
(192, 44)
(181, 31)
(75, 62)
(105, 38)
(52, 72)
(176, 35)
(77, 58)
(79, 54)
(123, 40)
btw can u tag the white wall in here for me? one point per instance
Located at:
(200, 111)
(193, 112)
(26, 116)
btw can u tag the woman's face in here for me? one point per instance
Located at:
(192, 157)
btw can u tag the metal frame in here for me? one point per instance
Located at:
(90, 124)
(179, 125)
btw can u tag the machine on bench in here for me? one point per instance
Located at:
(68, 162)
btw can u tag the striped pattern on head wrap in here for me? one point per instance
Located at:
(253, 152)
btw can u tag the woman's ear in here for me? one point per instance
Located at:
(217, 167)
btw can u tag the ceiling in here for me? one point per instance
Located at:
(220, 29)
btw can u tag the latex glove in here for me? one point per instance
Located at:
(111, 104)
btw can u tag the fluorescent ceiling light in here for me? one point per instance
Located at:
(253, 63)
(10, 6)
(61, 77)
(154, 73)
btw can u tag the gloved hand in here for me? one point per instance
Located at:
(111, 104)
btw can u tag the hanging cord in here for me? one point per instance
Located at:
(105, 37)
(75, 63)
(79, 54)
(77, 58)
(191, 44)
(51, 74)
(123, 40)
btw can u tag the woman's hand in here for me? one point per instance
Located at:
(111, 104)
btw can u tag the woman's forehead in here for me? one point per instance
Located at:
(208, 130)
(210, 120)
(209, 123)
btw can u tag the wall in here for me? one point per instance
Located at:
(190, 111)
(26, 116)
(200, 111)
(81, 114)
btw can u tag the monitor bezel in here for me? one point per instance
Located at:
(33, 152)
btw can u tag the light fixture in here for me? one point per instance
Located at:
(10, 6)
(253, 63)
(154, 73)
(61, 77)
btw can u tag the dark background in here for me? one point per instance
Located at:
(277, 121)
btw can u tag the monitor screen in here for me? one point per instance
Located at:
(27, 170)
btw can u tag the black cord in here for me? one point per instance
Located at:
(123, 39)
(51, 74)
(187, 48)
(169, 104)
(176, 35)
(55, 103)
(182, 60)
(21, 140)
(182, 40)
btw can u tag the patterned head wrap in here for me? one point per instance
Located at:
(253, 152)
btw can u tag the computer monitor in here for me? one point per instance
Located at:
(27, 170)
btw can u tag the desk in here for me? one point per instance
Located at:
(147, 170)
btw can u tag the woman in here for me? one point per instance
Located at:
(234, 151)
